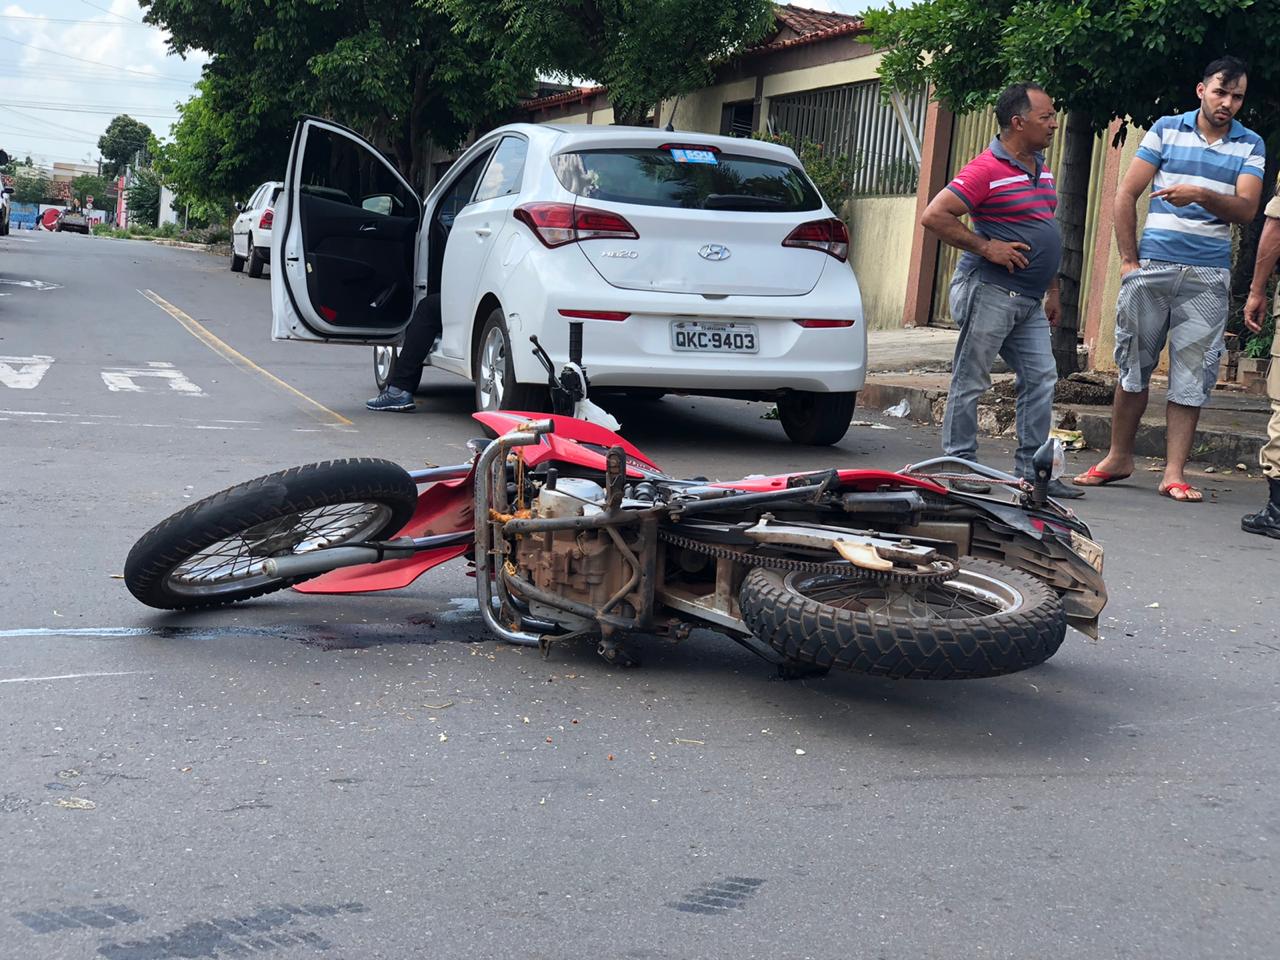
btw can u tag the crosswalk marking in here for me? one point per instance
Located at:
(24, 373)
(125, 379)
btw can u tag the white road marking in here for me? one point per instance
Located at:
(124, 379)
(73, 676)
(114, 420)
(24, 373)
(40, 285)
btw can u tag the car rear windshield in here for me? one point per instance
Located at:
(657, 178)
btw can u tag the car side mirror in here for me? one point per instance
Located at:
(8, 191)
(239, 206)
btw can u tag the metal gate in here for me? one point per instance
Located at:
(853, 120)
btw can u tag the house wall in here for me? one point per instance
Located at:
(881, 230)
(701, 111)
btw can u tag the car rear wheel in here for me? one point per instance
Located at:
(816, 419)
(495, 376)
(255, 260)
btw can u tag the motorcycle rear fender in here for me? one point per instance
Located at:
(444, 507)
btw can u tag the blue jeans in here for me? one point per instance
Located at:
(993, 322)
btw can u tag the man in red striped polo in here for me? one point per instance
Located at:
(1004, 294)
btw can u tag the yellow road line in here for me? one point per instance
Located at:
(235, 357)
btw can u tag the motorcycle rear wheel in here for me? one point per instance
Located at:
(989, 620)
(211, 553)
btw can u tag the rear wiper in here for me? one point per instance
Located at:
(740, 201)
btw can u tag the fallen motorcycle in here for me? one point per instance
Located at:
(575, 534)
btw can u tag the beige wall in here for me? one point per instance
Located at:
(880, 231)
(701, 111)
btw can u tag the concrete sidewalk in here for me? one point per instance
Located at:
(914, 365)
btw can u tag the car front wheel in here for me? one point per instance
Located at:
(495, 376)
(816, 419)
(255, 260)
(237, 261)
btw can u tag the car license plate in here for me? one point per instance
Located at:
(701, 336)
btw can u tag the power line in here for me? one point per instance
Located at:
(49, 123)
(112, 12)
(96, 63)
(54, 75)
(104, 23)
(107, 109)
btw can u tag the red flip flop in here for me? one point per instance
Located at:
(1093, 477)
(1186, 490)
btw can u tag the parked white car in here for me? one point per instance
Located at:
(700, 264)
(251, 230)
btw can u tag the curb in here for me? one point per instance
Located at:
(218, 249)
(1219, 447)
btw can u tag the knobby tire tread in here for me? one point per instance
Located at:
(235, 509)
(814, 632)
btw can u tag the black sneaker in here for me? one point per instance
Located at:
(392, 398)
(1064, 491)
(1265, 522)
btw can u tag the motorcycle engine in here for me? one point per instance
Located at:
(585, 566)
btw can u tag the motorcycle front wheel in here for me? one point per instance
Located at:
(989, 620)
(212, 553)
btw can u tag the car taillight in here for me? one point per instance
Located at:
(823, 324)
(268, 215)
(556, 224)
(830, 236)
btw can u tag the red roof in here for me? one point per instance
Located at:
(800, 25)
(568, 96)
(796, 26)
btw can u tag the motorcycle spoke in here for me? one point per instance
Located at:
(943, 601)
(240, 557)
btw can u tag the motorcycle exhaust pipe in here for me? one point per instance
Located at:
(353, 555)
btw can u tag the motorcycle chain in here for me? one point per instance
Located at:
(941, 570)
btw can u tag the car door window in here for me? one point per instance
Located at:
(458, 195)
(502, 176)
(336, 169)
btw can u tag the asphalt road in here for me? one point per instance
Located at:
(370, 777)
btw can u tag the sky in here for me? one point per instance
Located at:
(68, 66)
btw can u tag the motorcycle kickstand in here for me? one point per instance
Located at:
(787, 669)
(616, 653)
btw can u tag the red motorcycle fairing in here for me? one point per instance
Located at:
(447, 506)
(566, 443)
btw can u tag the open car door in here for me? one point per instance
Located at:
(342, 252)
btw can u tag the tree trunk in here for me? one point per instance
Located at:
(1073, 204)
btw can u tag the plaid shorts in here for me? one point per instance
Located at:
(1185, 305)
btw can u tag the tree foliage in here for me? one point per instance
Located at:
(644, 51)
(1134, 59)
(122, 140)
(395, 70)
(30, 189)
(144, 197)
(90, 185)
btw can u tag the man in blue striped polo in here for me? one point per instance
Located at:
(1206, 169)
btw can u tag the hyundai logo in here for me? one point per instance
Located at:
(714, 251)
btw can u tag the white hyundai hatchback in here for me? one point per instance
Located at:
(699, 265)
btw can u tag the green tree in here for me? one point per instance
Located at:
(1135, 60)
(29, 189)
(644, 51)
(89, 185)
(144, 198)
(395, 70)
(122, 140)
